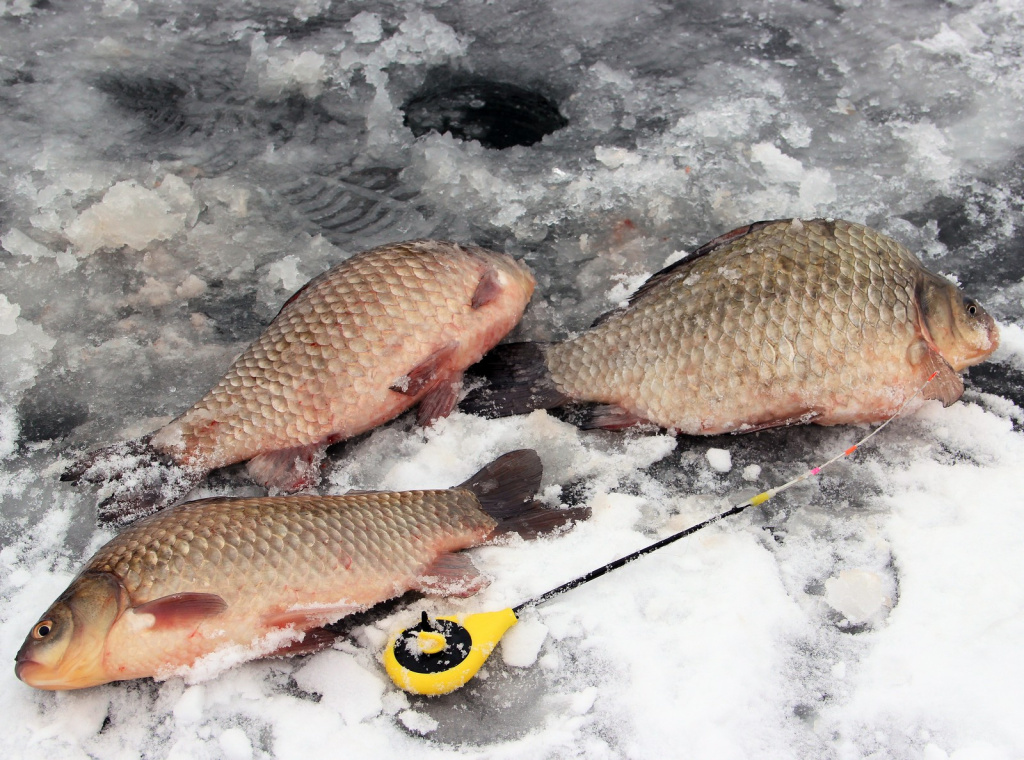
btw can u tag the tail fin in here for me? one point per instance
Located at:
(517, 382)
(135, 479)
(505, 489)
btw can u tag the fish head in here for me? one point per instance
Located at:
(958, 326)
(65, 648)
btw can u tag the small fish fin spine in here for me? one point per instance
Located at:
(136, 479)
(685, 263)
(505, 489)
(288, 470)
(516, 381)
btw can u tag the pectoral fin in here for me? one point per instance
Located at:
(427, 372)
(187, 608)
(440, 400)
(487, 289)
(451, 575)
(947, 386)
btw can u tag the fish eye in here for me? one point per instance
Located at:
(972, 308)
(42, 629)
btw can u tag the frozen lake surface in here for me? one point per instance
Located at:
(172, 172)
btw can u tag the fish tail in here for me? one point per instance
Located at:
(506, 488)
(135, 479)
(516, 381)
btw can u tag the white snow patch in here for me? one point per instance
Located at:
(521, 644)
(719, 459)
(345, 685)
(857, 594)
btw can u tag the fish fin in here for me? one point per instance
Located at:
(539, 520)
(440, 400)
(314, 640)
(452, 574)
(804, 418)
(947, 386)
(506, 486)
(186, 608)
(505, 489)
(288, 469)
(487, 289)
(517, 381)
(674, 269)
(611, 417)
(428, 372)
(306, 618)
(135, 479)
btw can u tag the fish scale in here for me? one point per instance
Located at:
(289, 543)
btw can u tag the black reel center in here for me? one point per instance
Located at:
(410, 655)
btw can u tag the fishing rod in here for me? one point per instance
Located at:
(438, 656)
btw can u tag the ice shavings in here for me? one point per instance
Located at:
(134, 216)
(24, 346)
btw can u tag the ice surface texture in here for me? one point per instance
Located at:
(269, 142)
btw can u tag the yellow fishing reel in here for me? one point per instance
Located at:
(438, 656)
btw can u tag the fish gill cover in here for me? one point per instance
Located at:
(172, 173)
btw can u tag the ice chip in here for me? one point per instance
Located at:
(719, 459)
(8, 316)
(128, 215)
(857, 594)
(365, 27)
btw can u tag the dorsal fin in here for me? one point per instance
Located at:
(683, 264)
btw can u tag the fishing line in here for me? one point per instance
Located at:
(438, 656)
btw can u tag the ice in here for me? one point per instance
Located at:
(173, 172)
(133, 216)
(857, 594)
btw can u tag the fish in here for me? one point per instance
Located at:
(363, 342)
(775, 323)
(243, 578)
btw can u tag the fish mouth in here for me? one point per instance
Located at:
(41, 676)
(32, 673)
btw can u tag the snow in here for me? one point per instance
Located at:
(173, 172)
